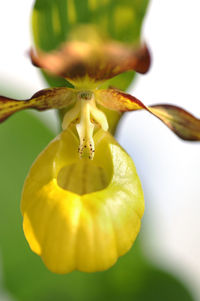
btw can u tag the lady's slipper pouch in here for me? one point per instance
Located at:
(82, 201)
(79, 213)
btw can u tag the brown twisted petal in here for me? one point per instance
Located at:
(75, 60)
(42, 100)
(181, 122)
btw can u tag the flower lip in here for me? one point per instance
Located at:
(81, 232)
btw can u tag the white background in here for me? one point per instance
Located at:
(168, 167)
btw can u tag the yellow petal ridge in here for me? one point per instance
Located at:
(81, 214)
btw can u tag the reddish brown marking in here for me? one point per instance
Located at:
(133, 99)
(4, 99)
(44, 93)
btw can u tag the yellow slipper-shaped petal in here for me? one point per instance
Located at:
(81, 214)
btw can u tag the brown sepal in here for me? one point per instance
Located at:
(76, 60)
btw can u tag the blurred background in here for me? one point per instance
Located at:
(168, 167)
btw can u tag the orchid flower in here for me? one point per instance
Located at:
(82, 201)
